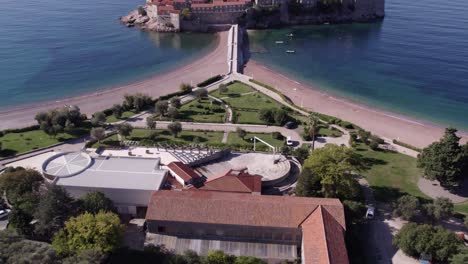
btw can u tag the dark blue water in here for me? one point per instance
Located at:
(52, 49)
(415, 62)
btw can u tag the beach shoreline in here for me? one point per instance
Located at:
(211, 64)
(390, 125)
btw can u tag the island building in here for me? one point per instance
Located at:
(198, 14)
(274, 228)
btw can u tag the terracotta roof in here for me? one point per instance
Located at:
(323, 239)
(244, 209)
(183, 171)
(234, 181)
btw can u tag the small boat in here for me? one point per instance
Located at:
(290, 35)
(279, 42)
(326, 23)
(290, 51)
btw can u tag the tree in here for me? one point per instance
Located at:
(117, 110)
(334, 166)
(21, 187)
(185, 87)
(223, 88)
(266, 115)
(20, 221)
(279, 116)
(461, 257)
(313, 129)
(101, 232)
(445, 160)
(407, 207)
(96, 201)
(124, 129)
(308, 184)
(85, 257)
(98, 133)
(175, 102)
(241, 133)
(153, 136)
(186, 14)
(354, 211)
(364, 136)
(201, 93)
(173, 112)
(141, 11)
(151, 122)
(54, 208)
(248, 260)
(160, 108)
(15, 249)
(219, 257)
(414, 240)
(98, 119)
(175, 128)
(440, 209)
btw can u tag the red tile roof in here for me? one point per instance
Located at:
(323, 239)
(183, 171)
(321, 220)
(235, 181)
(244, 209)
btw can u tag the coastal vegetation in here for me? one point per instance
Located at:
(209, 81)
(202, 110)
(246, 139)
(445, 160)
(416, 240)
(390, 174)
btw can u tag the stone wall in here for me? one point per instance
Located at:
(218, 18)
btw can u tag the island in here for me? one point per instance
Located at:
(218, 15)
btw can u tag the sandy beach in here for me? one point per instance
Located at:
(211, 64)
(384, 124)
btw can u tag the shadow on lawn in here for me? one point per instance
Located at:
(7, 152)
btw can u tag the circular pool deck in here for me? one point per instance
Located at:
(256, 163)
(66, 164)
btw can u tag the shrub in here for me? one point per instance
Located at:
(414, 240)
(406, 145)
(210, 81)
(277, 135)
(407, 207)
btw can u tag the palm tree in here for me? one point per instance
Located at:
(313, 126)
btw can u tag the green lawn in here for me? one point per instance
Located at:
(234, 139)
(390, 174)
(164, 136)
(462, 208)
(17, 143)
(234, 89)
(203, 111)
(246, 106)
(125, 115)
(329, 132)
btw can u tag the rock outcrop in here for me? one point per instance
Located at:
(145, 22)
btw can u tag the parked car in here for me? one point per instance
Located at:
(370, 213)
(4, 213)
(289, 141)
(290, 125)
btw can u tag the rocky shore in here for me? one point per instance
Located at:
(144, 22)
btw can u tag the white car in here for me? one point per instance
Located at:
(4, 213)
(289, 141)
(370, 213)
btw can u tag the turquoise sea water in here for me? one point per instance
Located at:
(415, 62)
(51, 49)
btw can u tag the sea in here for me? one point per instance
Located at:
(51, 49)
(414, 62)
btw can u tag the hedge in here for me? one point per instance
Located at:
(19, 130)
(406, 145)
(210, 81)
